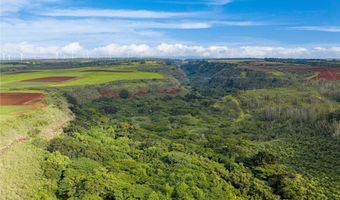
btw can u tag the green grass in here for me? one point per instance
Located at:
(276, 73)
(20, 171)
(243, 75)
(284, 95)
(13, 81)
(241, 116)
(7, 112)
(20, 160)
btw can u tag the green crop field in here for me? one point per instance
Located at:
(14, 81)
(10, 111)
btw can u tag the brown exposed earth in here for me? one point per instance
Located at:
(323, 73)
(18, 98)
(171, 90)
(109, 93)
(51, 79)
(105, 70)
(327, 74)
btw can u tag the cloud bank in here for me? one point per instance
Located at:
(164, 50)
(331, 29)
(116, 13)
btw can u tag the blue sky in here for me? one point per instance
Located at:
(164, 28)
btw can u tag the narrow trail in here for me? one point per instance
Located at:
(5, 148)
(52, 133)
(56, 129)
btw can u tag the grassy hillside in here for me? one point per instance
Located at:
(21, 153)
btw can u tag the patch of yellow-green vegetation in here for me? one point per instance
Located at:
(314, 74)
(3, 65)
(146, 85)
(231, 106)
(39, 122)
(135, 66)
(243, 75)
(14, 81)
(266, 63)
(295, 104)
(20, 171)
(7, 112)
(22, 90)
(241, 113)
(276, 73)
(288, 96)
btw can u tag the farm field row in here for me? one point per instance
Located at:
(17, 96)
(70, 77)
(319, 73)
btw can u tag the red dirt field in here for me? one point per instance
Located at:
(324, 73)
(105, 70)
(18, 98)
(51, 79)
(327, 74)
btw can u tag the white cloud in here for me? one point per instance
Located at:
(333, 29)
(219, 2)
(100, 30)
(72, 48)
(13, 6)
(91, 31)
(239, 23)
(200, 2)
(82, 26)
(115, 13)
(251, 51)
(176, 50)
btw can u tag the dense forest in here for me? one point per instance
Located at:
(233, 134)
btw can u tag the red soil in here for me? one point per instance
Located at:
(327, 74)
(51, 79)
(140, 94)
(109, 93)
(172, 90)
(105, 70)
(18, 98)
(324, 73)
